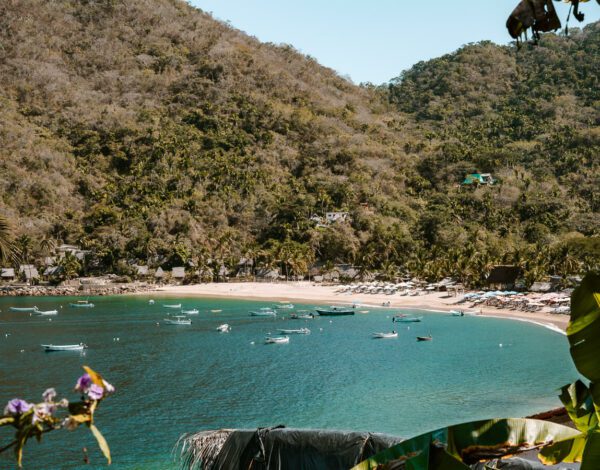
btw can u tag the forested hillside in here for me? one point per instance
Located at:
(146, 131)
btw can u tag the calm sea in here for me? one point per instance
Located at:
(176, 379)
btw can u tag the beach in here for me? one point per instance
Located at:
(307, 292)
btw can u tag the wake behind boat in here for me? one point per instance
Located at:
(335, 311)
(300, 331)
(64, 347)
(392, 334)
(22, 309)
(82, 304)
(177, 320)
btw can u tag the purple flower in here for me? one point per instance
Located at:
(49, 395)
(17, 406)
(42, 411)
(95, 392)
(83, 383)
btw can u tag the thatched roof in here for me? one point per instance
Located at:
(178, 272)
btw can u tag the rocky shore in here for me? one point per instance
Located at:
(80, 290)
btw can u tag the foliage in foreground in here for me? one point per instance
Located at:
(455, 447)
(34, 420)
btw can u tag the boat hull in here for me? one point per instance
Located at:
(63, 347)
(334, 313)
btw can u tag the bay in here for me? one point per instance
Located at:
(176, 379)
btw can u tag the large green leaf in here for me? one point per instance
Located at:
(579, 404)
(567, 450)
(584, 328)
(591, 453)
(471, 442)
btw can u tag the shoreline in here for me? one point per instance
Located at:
(307, 292)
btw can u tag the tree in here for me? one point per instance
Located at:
(8, 251)
(70, 266)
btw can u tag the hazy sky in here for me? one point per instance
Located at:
(374, 40)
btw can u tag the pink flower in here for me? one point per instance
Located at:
(95, 392)
(16, 407)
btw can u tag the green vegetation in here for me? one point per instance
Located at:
(163, 136)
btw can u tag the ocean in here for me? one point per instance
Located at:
(172, 380)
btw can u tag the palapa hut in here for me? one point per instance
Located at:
(503, 277)
(159, 274)
(178, 273)
(7, 274)
(29, 272)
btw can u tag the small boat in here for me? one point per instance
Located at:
(22, 309)
(224, 328)
(304, 316)
(193, 311)
(216, 311)
(406, 319)
(64, 347)
(335, 311)
(45, 312)
(457, 313)
(151, 302)
(82, 304)
(424, 338)
(393, 334)
(284, 306)
(277, 339)
(263, 312)
(172, 305)
(301, 331)
(178, 320)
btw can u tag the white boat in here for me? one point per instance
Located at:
(193, 311)
(285, 306)
(22, 309)
(263, 312)
(300, 331)
(82, 304)
(224, 328)
(45, 312)
(178, 320)
(304, 316)
(277, 339)
(457, 313)
(64, 347)
(393, 334)
(151, 302)
(172, 305)
(216, 311)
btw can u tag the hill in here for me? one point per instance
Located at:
(146, 130)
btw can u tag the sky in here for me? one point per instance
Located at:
(373, 41)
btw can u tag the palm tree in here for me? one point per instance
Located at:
(70, 266)
(8, 251)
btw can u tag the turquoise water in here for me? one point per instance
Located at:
(176, 379)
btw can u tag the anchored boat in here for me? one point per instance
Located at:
(82, 304)
(263, 312)
(277, 340)
(64, 347)
(22, 309)
(172, 305)
(193, 311)
(300, 331)
(224, 328)
(406, 319)
(45, 312)
(335, 311)
(178, 320)
(393, 334)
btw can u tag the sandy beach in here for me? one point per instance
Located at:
(308, 292)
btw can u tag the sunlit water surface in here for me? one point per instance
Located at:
(176, 379)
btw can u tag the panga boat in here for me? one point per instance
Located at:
(424, 338)
(406, 319)
(22, 309)
(172, 305)
(300, 331)
(277, 340)
(224, 328)
(263, 312)
(151, 302)
(193, 311)
(457, 313)
(285, 306)
(335, 311)
(82, 304)
(304, 316)
(393, 334)
(64, 347)
(178, 320)
(216, 311)
(45, 312)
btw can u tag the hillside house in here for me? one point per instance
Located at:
(478, 179)
(7, 274)
(332, 217)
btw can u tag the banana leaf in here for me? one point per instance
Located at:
(456, 447)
